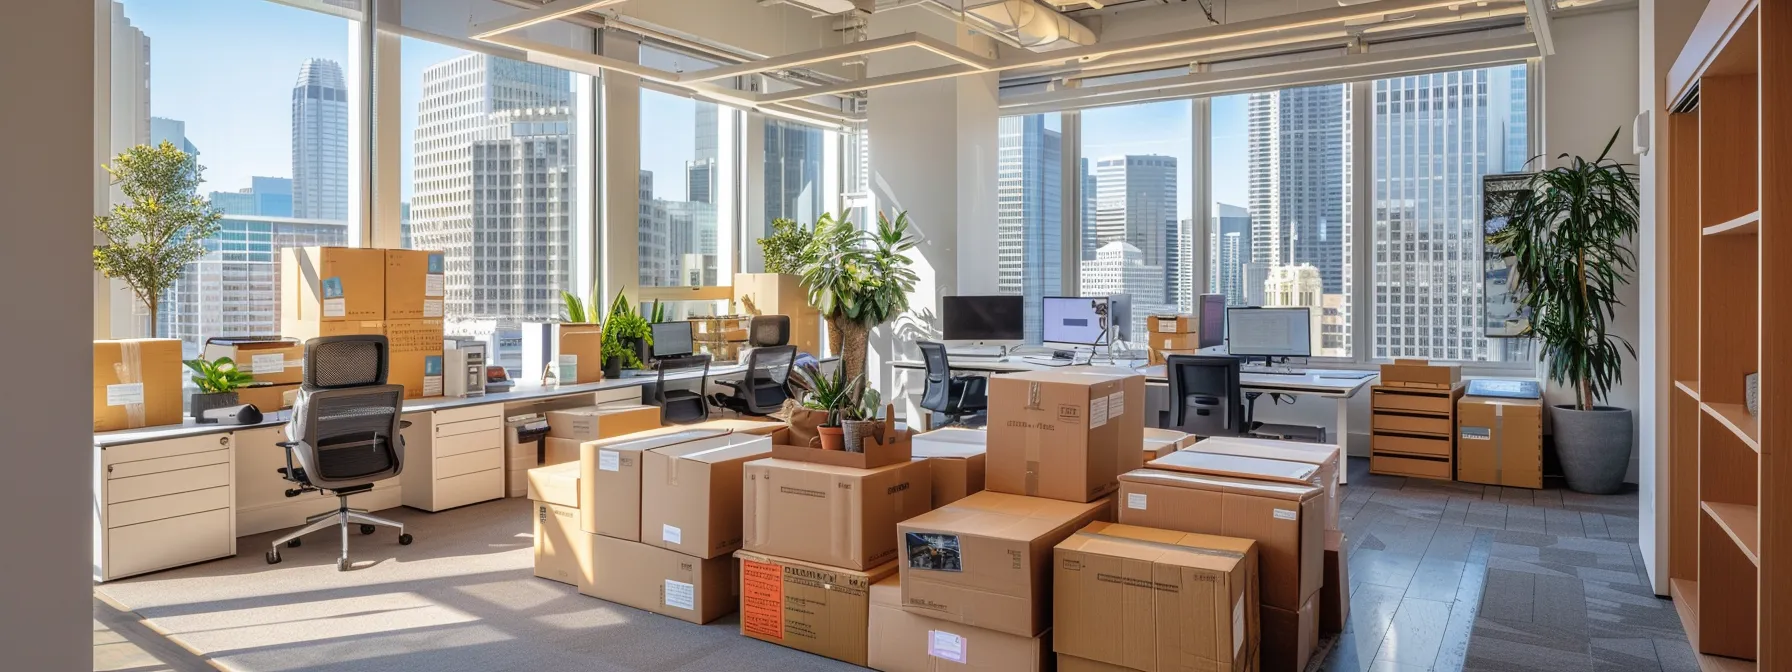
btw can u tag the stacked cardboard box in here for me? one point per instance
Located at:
(522, 452)
(568, 428)
(1162, 442)
(562, 549)
(820, 529)
(957, 457)
(1172, 335)
(1324, 456)
(901, 641)
(337, 291)
(136, 383)
(276, 366)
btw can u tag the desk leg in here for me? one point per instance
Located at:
(1343, 440)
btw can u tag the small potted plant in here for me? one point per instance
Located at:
(218, 381)
(828, 394)
(858, 420)
(626, 336)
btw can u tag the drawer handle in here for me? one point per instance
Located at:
(223, 440)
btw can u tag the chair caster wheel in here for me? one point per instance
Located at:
(404, 540)
(294, 543)
(273, 557)
(367, 529)
(342, 564)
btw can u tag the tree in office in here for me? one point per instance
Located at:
(858, 280)
(162, 225)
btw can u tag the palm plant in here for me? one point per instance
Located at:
(830, 394)
(858, 280)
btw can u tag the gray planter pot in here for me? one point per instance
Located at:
(1594, 446)
(202, 402)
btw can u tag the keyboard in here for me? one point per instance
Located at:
(1272, 370)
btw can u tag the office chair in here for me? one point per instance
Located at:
(1206, 400)
(765, 385)
(344, 434)
(686, 404)
(768, 330)
(946, 394)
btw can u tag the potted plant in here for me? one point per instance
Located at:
(626, 335)
(1567, 238)
(162, 225)
(218, 381)
(858, 280)
(828, 395)
(858, 420)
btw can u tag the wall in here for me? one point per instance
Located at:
(47, 57)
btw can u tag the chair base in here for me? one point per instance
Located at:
(341, 518)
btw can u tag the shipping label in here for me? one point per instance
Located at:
(124, 394)
(942, 644)
(263, 364)
(681, 595)
(1135, 500)
(609, 460)
(762, 599)
(1098, 412)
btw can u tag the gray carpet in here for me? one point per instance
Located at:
(463, 597)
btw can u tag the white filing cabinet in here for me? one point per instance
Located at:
(454, 457)
(163, 504)
(261, 501)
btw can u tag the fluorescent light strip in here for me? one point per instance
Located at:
(551, 11)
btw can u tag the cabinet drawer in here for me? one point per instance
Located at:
(1412, 445)
(618, 395)
(169, 542)
(1394, 422)
(1400, 401)
(161, 464)
(477, 412)
(157, 508)
(1409, 466)
(167, 483)
(444, 446)
(474, 426)
(466, 489)
(467, 463)
(169, 448)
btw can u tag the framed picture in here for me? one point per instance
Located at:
(1505, 318)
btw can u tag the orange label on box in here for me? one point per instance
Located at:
(762, 598)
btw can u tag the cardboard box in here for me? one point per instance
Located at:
(836, 516)
(1499, 441)
(414, 284)
(905, 642)
(1223, 464)
(562, 550)
(806, 606)
(1284, 520)
(308, 329)
(778, 432)
(416, 357)
(610, 479)
(1172, 324)
(330, 284)
(1289, 637)
(957, 457)
(985, 560)
(1064, 434)
(691, 493)
(1162, 442)
(1334, 596)
(269, 398)
(590, 423)
(664, 582)
(1422, 374)
(136, 383)
(897, 447)
(1322, 455)
(1157, 356)
(1150, 600)
(580, 356)
(278, 362)
(1175, 342)
(559, 451)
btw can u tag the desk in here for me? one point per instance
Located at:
(1315, 382)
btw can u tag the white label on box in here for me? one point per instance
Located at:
(681, 595)
(335, 308)
(273, 363)
(942, 644)
(1285, 514)
(569, 368)
(124, 394)
(432, 284)
(432, 307)
(609, 460)
(1135, 500)
(1166, 326)
(432, 386)
(1117, 404)
(1237, 624)
(1477, 433)
(671, 535)
(1098, 411)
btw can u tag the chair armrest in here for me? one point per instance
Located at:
(977, 385)
(404, 424)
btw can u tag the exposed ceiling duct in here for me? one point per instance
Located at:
(1031, 24)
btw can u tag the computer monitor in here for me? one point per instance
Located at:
(1269, 332)
(1074, 320)
(672, 339)
(1211, 324)
(983, 318)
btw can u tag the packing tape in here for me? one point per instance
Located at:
(759, 526)
(839, 521)
(1032, 440)
(130, 370)
(1499, 443)
(1219, 553)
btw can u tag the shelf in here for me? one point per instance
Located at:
(1709, 663)
(1690, 387)
(1746, 225)
(1741, 522)
(1686, 601)
(1736, 417)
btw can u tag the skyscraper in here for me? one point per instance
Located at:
(700, 171)
(1135, 202)
(129, 86)
(1086, 223)
(1228, 248)
(234, 290)
(1029, 222)
(793, 163)
(1298, 143)
(1120, 268)
(320, 142)
(174, 131)
(266, 196)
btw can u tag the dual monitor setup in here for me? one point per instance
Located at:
(1100, 320)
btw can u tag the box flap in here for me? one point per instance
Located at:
(1222, 484)
(654, 439)
(1233, 465)
(555, 484)
(822, 468)
(825, 572)
(1271, 449)
(725, 448)
(1164, 547)
(1003, 516)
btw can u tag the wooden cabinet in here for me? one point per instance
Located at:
(454, 457)
(163, 504)
(1413, 431)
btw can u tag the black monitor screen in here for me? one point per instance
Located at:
(1212, 325)
(671, 339)
(983, 318)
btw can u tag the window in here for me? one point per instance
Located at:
(686, 190)
(1135, 217)
(1279, 233)
(262, 93)
(795, 166)
(1029, 206)
(1434, 137)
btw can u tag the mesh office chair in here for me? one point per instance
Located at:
(952, 396)
(764, 386)
(344, 434)
(682, 404)
(1206, 400)
(768, 330)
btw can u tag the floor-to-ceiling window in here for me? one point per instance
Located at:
(1135, 220)
(1029, 211)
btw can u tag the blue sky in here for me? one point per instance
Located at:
(1164, 128)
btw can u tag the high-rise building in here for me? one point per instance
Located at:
(493, 185)
(700, 171)
(1029, 222)
(1300, 286)
(1120, 268)
(129, 88)
(793, 164)
(1178, 262)
(234, 290)
(1228, 248)
(1135, 202)
(1086, 222)
(1299, 175)
(1427, 208)
(173, 131)
(404, 225)
(653, 233)
(320, 142)
(266, 196)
